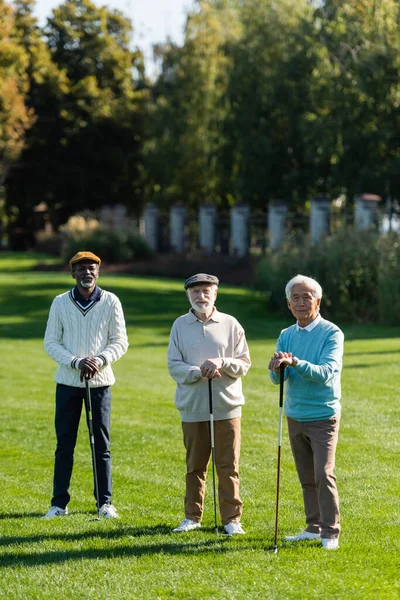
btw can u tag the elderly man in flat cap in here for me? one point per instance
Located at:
(207, 344)
(85, 334)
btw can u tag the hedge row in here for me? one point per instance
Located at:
(359, 274)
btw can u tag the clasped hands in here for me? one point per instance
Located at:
(210, 368)
(278, 359)
(89, 367)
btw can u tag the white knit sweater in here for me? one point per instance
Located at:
(71, 334)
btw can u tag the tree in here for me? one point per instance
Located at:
(189, 109)
(15, 116)
(357, 92)
(268, 92)
(84, 150)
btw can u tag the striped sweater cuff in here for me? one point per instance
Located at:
(102, 358)
(75, 362)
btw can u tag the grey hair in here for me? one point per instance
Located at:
(314, 286)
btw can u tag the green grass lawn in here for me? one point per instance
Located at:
(137, 556)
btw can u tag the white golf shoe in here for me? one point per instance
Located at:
(108, 512)
(186, 525)
(330, 543)
(304, 535)
(234, 528)
(55, 511)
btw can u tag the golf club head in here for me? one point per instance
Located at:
(274, 549)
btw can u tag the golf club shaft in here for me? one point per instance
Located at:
(212, 451)
(278, 476)
(92, 443)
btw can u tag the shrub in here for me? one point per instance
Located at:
(389, 279)
(111, 246)
(359, 283)
(81, 225)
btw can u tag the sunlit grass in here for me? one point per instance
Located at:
(15, 262)
(137, 557)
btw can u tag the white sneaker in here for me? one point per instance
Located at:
(55, 511)
(186, 525)
(108, 511)
(330, 543)
(304, 535)
(234, 528)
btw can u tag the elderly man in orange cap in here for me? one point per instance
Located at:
(85, 334)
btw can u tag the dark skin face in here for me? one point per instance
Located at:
(86, 273)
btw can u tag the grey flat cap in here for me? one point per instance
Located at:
(201, 278)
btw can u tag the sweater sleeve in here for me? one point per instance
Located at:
(117, 337)
(329, 362)
(238, 365)
(179, 370)
(54, 335)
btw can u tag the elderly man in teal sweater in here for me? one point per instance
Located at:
(312, 352)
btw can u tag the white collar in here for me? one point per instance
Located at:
(310, 326)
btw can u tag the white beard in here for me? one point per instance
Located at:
(202, 308)
(86, 284)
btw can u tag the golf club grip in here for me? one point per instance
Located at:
(89, 408)
(210, 399)
(281, 382)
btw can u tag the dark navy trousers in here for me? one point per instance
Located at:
(69, 402)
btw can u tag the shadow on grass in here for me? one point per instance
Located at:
(27, 304)
(195, 546)
(95, 533)
(18, 516)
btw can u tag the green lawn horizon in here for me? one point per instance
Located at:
(138, 556)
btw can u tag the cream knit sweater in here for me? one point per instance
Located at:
(71, 334)
(191, 343)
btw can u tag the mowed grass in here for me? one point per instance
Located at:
(137, 556)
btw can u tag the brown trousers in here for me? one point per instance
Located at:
(197, 440)
(314, 447)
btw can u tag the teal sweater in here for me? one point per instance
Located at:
(313, 385)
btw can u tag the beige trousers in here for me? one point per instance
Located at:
(197, 440)
(314, 448)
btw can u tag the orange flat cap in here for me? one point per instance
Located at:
(84, 256)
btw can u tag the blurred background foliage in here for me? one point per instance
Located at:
(264, 100)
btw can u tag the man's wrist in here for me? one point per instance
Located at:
(295, 361)
(75, 363)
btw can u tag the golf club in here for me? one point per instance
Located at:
(88, 406)
(212, 452)
(274, 548)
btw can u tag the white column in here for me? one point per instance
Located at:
(240, 230)
(207, 227)
(151, 225)
(366, 211)
(114, 217)
(177, 228)
(319, 218)
(277, 214)
(120, 217)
